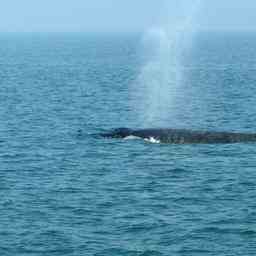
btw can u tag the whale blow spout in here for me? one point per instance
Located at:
(182, 136)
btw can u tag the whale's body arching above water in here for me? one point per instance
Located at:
(182, 136)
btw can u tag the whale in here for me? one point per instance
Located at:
(181, 136)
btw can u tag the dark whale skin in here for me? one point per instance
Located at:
(183, 136)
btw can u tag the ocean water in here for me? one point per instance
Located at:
(64, 191)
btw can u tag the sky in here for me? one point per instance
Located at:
(121, 15)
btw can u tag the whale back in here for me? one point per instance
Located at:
(118, 133)
(183, 136)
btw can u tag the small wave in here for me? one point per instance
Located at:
(131, 137)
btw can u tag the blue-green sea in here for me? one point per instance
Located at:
(64, 191)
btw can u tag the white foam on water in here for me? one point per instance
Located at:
(152, 140)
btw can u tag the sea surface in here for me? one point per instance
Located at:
(65, 191)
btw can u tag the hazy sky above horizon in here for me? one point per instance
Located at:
(121, 15)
